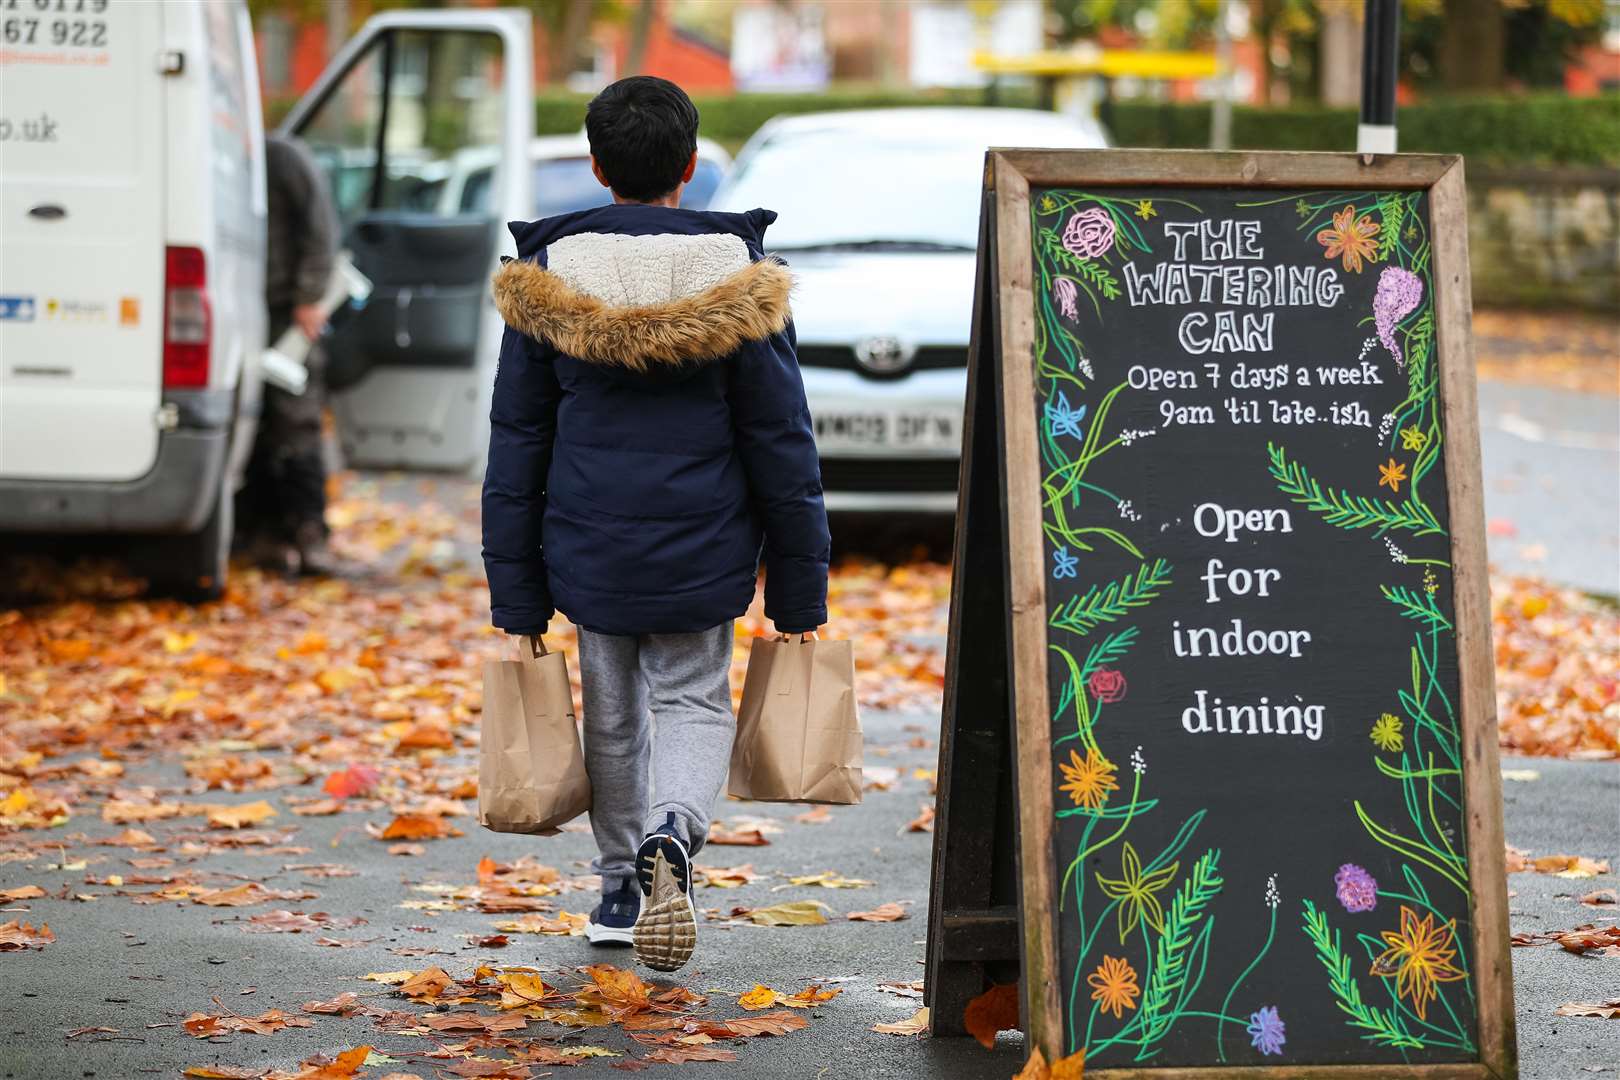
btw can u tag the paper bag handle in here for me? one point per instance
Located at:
(537, 645)
(804, 638)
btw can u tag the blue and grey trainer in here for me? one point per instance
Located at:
(613, 921)
(666, 930)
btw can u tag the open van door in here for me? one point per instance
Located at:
(422, 124)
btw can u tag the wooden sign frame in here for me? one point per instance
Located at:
(996, 709)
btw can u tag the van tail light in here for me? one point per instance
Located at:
(186, 318)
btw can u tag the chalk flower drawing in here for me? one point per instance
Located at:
(1144, 209)
(1399, 292)
(1135, 890)
(1114, 985)
(1355, 888)
(1062, 420)
(1412, 438)
(1392, 475)
(1089, 233)
(1386, 733)
(1267, 1032)
(1063, 564)
(1417, 958)
(1108, 685)
(1350, 238)
(1087, 782)
(1067, 292)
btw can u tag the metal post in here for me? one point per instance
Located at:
(1380, 50)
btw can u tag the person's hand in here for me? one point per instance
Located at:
(814, 635)
(308, 318)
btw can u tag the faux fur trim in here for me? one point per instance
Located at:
(748, 305)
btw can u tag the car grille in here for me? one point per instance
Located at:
(889, 474)
(842, 357)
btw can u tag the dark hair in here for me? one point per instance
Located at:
(642, 131)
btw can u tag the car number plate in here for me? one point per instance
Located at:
(897, 429)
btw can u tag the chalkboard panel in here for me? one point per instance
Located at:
(1257, 789)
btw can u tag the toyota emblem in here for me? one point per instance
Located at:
(882, 355)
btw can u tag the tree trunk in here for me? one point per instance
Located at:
(1471, 46)
(640, 28)
(1339, 48)
(576, 23)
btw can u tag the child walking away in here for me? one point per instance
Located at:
(649, 444)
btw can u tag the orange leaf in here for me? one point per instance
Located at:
(771, 1023)
(811, 996)
(1035, 1067)
(994, 1010)
(417, 827)
(427, 983)
(355, 780)
(1072, 1067)
(881, 913)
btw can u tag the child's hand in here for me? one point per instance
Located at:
(814, 635)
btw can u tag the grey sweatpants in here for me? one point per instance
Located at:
(680, 683)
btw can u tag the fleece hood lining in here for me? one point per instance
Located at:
(697, 302)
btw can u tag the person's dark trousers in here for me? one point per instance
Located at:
(285, 486)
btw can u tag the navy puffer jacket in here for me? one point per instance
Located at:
(649, 436)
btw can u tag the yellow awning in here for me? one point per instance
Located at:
(1110, 63)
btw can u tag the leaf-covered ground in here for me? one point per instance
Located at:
(229, 764)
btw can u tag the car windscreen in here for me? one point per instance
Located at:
(563, 185)
(843, 187)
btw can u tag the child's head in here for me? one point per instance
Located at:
(643, 135)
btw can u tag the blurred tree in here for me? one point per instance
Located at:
(1462, 45)
(566, 23)
(1454, 45)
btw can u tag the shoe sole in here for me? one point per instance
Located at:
(666, 929)
(609, 935)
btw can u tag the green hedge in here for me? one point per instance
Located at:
(732, 118)
(1541, 129)
(1537, 129)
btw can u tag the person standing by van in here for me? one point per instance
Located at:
(282, 506)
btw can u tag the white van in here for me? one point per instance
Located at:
(132, 211)
(132, 207)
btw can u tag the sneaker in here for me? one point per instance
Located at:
(613, 921)
(666, 929)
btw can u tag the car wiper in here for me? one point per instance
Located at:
(876, 245)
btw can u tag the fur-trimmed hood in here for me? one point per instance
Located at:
(644, 289)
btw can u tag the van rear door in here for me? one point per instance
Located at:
(423, 125)
(81, 210)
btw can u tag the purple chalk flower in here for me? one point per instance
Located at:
(1356, 888)
(1398, 294)
(1267, 1033)
(1066, 293)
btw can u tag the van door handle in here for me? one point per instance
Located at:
(402, 319)
(47, 212)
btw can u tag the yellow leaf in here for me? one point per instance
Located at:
(178, 643)
(915, 1024)
(590, 1052)
(760, 997)
(794, 913)
(829, 880)
(235, 817)
(388, 978)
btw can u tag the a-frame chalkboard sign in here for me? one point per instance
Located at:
(1218, 777)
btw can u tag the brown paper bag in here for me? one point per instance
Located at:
(531, 771)
(798, 733)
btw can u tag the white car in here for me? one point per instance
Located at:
(131, 277)
(562, 181)
(879, 219)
